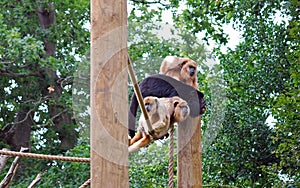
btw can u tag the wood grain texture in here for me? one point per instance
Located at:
(189, 163)
(109, 97)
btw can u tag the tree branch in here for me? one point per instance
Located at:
(8, 125)
(12, 170)
(65, 81)
(23, 120)
(51, 120)
(36, 180)
(149, 2)
(4, 72)
(55, 116)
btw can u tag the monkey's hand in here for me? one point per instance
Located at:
(164, 136)
(131, 133)
(152, 132)
(159, 129)
(154, 135)
(160, 126)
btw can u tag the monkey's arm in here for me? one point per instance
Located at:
(140, 143)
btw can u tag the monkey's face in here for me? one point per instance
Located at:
(151, 104)
(188, 69)
(192, 70)
(148, 106)
(181, 110)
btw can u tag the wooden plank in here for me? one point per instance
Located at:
(189, 163)
(109, 97)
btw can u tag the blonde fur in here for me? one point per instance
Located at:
(160, 120)
(178, 109)
(162, 112)
(182, 69)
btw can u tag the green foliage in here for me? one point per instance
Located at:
(151, 40)
(57, 173)
(258, 73)
(23, 69)
(287, 104)
(149, 166)
(26, 72)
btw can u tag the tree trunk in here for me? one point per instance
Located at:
(3, 160)
(63, 121)
(19, 133)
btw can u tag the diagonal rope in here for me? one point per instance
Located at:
(139, 96)
(171, 157)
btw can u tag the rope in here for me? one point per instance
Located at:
(171, 157)
(45, 157)
(86, 183)
(139, 96)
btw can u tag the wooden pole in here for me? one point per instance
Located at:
(189, 163)
(109, 97)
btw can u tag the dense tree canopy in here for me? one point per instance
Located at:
(41, 45)
(44, 71)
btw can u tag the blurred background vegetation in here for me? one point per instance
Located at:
(250, 130)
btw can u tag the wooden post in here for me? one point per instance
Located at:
(109, 97)
(189, 163)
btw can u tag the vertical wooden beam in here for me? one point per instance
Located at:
(189, 163)
(109, 97)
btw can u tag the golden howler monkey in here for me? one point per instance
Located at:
(162, 112)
